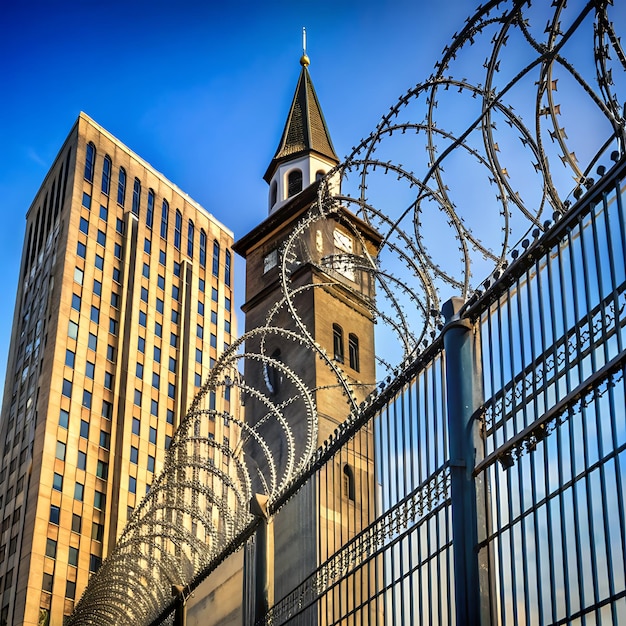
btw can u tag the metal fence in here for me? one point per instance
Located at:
(500, 454)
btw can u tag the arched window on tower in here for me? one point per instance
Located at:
(150, 209)
(353, 351)
(216, 258)
(90, 159)
(273, 193)
(106, 175)
(227, 264)
(348, 482)
(319, 175)
(178, 225)
(338, 343)
(294, 183)
(136, 196)
(121, 187)
(190, 234)
(202, 248)
(165, 207)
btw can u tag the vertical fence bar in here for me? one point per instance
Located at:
(464, 398)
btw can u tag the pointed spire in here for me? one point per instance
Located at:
(305, 132)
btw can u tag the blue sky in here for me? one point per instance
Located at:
(199, 89)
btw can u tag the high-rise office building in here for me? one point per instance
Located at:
(124, 300)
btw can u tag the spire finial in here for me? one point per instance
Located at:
(304, 59)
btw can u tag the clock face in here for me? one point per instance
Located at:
(270, 260)
(342, 241)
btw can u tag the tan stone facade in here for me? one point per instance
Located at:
(125, 298)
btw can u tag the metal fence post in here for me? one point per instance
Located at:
(464, 398)
(264, 558)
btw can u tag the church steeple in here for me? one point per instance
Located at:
(305, 151)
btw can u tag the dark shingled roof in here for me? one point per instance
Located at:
(305, 130)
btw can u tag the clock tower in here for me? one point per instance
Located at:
(321, 296)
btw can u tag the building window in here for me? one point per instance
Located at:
(190, 234)
(102, 238)
(348, 482)
(106, 175)
(151, 464)
(134, 455)
(69, 358)
(81, 460)
(104, 213)
(132, 484)
(99, 262)
(67, 388)
(70, 589)
(99, 500)
(227, 263)
(136, 426)
(95, 314)
(216, 258)
(92, 342)
(107, 409)
(83, 225)
(97, 287)
(81, 250)
(294, 183)
(78, 275)
(60, 451)
(46, 584)
(338, 343)
(202, 248)
(136, 196)
(121, 187)
(72, 557)
(90, 158)
(64, 418)
(108, 380)
(57, 482)
(105, 440)
(102, 470)
(79, 491)
(165, 207)
(51, 548)
(77, 522)
(150, 209)
(177, 228)
(84, 429)
(76, 302)
(86, 201)
(152, 435)
(97, 532)
(353, 351)
(86, 399)
(273, 193)
(162, 257)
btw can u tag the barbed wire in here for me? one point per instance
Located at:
(488, 179)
